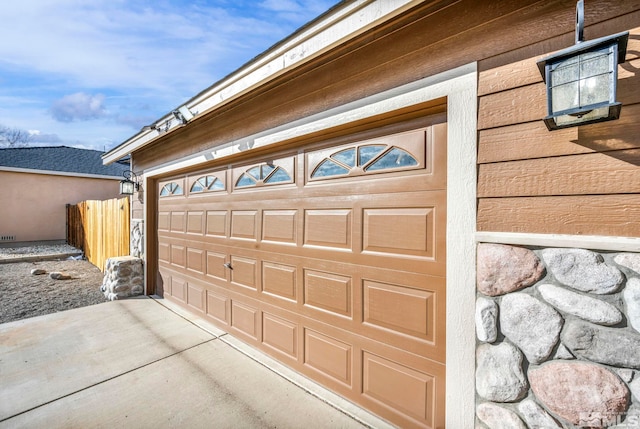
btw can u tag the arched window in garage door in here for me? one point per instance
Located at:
(206, 184)
(171, 189)
(404, 151)
(267, 173)
(369, 158)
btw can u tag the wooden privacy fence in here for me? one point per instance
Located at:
(99, 228)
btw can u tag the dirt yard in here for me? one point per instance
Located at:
(24, 295)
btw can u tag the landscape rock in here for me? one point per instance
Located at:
(502, 269)
(629, 260)
(59, 276)
(486, 320)
(535, 416)
(610, 346)
(631, 297)
(499, 375)
(38, 272)
(583, 270)
(582, 306)
(530, 324)
(497, 417)
(579, 392)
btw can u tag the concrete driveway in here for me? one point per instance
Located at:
(141, 363)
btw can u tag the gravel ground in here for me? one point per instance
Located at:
(24, 295)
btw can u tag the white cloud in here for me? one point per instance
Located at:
(78, 107)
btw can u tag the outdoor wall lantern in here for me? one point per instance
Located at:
(581, 80)
(128, 186)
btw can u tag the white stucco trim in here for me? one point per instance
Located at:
(462, 120)
(595, 242)
(347, 21)
(459, 87)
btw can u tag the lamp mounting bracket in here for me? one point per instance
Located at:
(580, 21)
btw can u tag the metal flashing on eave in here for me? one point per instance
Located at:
(340, 24)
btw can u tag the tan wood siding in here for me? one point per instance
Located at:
(583, 180)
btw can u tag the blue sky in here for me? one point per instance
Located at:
(91, 73)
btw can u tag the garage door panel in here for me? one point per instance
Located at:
(178, 288)
(218, 307)
(398, 387)
(177, 221)
(195, 222)
(328, 228)
(196, 297)
(178, 255)
(216, 222)
(405, 315)
(280, 226)
(164, 252)
(164, 220)
(216, 265)
(244, 224)
(329, 356)
(245, 319)
(280, 335)
(401, 309)
(280, 280)
(408, 231)
(332, 293)
(195, 260)
(244, 272)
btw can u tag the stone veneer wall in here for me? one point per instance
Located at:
(558, 338)
(137, 238)
(123, 277)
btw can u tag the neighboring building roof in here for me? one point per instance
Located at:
(60, 159)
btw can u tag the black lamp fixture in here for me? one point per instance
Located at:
(581, 80)
(128, 186)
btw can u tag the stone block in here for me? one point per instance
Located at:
(123, 278)
(503, 269)
(579, 392)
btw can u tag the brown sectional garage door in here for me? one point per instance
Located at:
(331, 259)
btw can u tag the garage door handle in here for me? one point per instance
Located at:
(228, 265)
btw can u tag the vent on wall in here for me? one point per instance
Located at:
(7, 238)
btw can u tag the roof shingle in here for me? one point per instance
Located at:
(60, 158)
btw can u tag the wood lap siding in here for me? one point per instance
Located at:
(582, 180)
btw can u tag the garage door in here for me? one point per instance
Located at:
(330, 258)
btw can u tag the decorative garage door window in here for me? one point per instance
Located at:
(207, 184)
(369, 158)
(171, 189)
(267, 173)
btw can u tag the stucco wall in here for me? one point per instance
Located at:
(33, 206)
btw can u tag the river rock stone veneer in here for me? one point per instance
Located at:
(558, 338)
(123, 277)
